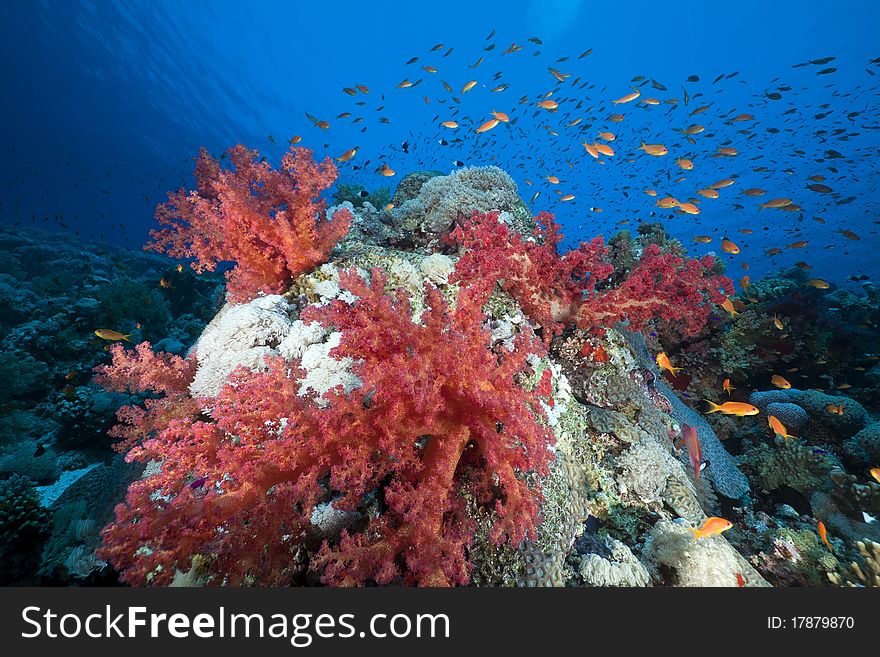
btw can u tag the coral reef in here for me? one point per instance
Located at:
(24, 525)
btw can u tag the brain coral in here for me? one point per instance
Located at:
(791, 415)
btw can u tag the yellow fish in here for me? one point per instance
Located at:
(110, 334)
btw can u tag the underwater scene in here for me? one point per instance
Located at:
(534, 293)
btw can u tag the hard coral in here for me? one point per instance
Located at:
(555, 289)
(269, 222)
(439, 419)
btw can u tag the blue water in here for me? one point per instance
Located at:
(106, 103)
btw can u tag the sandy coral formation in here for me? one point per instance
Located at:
(675, 558)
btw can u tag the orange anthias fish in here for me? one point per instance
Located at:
(548, 104)
(628, 98)
(664, 364)
(654, 149)
(823, 534)
(739, 409)
(695, 453)
(780, 382)
(835, 410)
(779, 428)
(727, 304)
(488, 125)
(740, 580)
(712, 527)
(347, 155)
(729, 247)
(110, 334)
(727, 387)
(875, 472)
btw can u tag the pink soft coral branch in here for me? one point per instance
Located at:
(269, 222)
(555, 289)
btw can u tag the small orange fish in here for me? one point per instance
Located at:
(727, 304)
(823, 534)
(692, 441)
(664, 364)
(468, 86)
(548, 104)
(702, 239)
(604, 149)
(591, 149)
(607, 136)
(818, 283)
(875, 472)
(501, 116)
(729, 246)
(740, 409)
(778, 323)
(689, 208)
(385, 170)
(567, 197)
(110, 334)
(744, 282)
(727, 152)
(836, 410)
(294, 140)
(666, 202)
(452, 125)
(740, 580)
(616, 118)
(347, 155)
(488, 125)
(780, 382)
(779, 428)
(627, 98)
(685, 163)
(654, 149)
(727, 387)
(712, 527)
(708, 193)
(727, 182)
(179, 269)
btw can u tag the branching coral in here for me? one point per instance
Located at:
(269, 222)
(439, 418)
(164, 377)
(554, 289)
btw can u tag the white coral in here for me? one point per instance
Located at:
(242, 334)
(437, 268)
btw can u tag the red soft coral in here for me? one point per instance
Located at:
(270, 223)
(439, 415)
(555, 289)
(164, 377)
